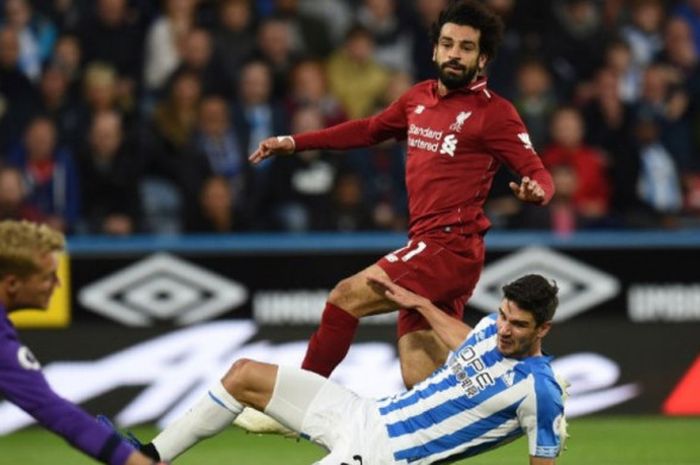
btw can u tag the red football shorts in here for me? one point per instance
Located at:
(443, 267)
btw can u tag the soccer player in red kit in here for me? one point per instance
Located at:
(458, 134)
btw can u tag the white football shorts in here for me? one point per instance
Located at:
(345, 424)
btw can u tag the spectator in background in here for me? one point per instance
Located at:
(17, 95)
(197, 57)
(101, 93)
(49, 173)
(110, 174)
(679, 52)
(275, 47)
(392, 42)
(309, 87)
(234, 36)
(609, 127)
(257, 114)
(310, 35)
(354, 77)
(36, 35)
(164, 40)
(614, 14)
(593, 188)
(175, 116)
(337, 14)
(426, 13)
(67, 57)
(174, 170)
(658, 183)
(219, 209)
(114, 35)
(217, 140)
(504, 66)
(13, 197)
(667, 102)
(349, 211)
(64, 14)
(644, 33)
(56, 101)
(680, 55)
(689, 10)
(574, 43)
(619, 60)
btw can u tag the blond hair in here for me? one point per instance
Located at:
(23, 242)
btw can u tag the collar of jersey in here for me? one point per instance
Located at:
(476, 86)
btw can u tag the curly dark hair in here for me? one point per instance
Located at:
(474, 14)
(534, 294)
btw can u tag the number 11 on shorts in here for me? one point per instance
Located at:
(406, 253)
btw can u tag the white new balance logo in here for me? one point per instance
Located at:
(449, 145)
(419, 109)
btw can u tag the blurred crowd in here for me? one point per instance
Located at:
(137, 116)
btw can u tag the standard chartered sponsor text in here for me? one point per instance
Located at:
(433, 138)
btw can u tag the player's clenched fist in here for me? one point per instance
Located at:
(280, 145)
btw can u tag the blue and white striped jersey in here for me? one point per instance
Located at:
(476, 401)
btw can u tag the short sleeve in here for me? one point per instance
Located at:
(540, 416)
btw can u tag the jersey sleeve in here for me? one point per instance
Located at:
(390, 123)
(540, 415)
(23, 384)
(506, 137)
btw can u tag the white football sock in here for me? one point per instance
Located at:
(210, 415)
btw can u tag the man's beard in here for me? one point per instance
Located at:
(455, 81)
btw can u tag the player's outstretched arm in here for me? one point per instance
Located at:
(451, 331)
(280, 145)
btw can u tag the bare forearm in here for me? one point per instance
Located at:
(451, 331)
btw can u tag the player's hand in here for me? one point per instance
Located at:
(397, 294)
(528, 190)
(280, 145)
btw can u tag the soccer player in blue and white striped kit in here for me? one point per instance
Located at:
(495, 386)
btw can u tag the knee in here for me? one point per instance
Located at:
(238, 378)
(342, 296)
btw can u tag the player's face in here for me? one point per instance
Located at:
(518, 333)
(457, 55)
(35, 290)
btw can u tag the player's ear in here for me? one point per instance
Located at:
(543, 329)
(481, 61)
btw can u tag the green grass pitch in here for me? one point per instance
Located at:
(599, 440)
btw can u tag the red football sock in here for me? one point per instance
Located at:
(331, 341)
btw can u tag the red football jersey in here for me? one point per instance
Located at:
(456, 143)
